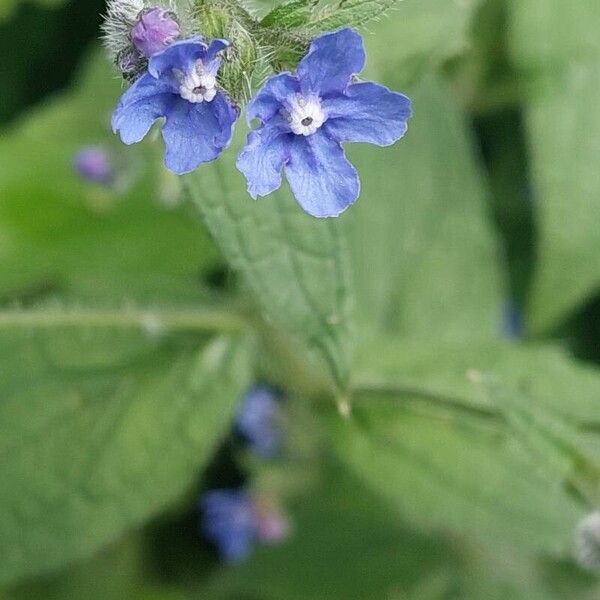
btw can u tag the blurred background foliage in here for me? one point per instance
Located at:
(467, 273)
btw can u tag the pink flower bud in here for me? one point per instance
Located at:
(154, 30)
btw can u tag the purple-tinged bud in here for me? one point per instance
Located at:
(129, 61)
(93, 165)
(154, 30)
(273, 527)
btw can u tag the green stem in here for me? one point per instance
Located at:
(148, 319)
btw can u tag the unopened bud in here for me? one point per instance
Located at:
(93, 165)
(129, 62)
(273, 527)
(154, 30)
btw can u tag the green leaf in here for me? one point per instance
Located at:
(455, 475)
(555, 443)
(363, 550)
(346, 543)
(293, 263)
(97, 439)
(415, 36)
(509, 464)
(289, 15)
(423, 250)
(558, 52)
(107, 412)
(348, 13)
(441, 369)
(7, 7)
(112, 574)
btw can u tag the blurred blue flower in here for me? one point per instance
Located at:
(305, 117)
(180, 85)
(228, 519)
(512, 321)
(154, 30)
(93, 164)
(259, 421)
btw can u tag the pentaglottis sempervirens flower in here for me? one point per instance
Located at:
(259, 421)
(234, 521)
(306, 116)
(181, 86)
(229, 521)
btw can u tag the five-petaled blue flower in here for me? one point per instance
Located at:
(228, 519)
(180, 85)
(259, 421)
(305, 117)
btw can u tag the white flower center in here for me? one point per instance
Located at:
(198, 85)
(304, 115)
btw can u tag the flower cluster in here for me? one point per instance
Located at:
(304, 117)
(233, 519)
(234, 522)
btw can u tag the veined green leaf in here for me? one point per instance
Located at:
(562, 385)
(554, 443)
(558, 52)
(294, 264)
(457, 475)
(414, 36)
(423, 249)
(348, 13)
(448, 449)
(94, 441)
(288, 15)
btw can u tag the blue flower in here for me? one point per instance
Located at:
(180, 85)
(259, 421)
(93, 164)
(512, 321)
(228, 519)
(305, 117)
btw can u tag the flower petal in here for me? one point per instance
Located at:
(226, 115)
(267, 103)
(144, 102)
(367, 112)
(321, 177)
(197, 133)
(262, 158)
(331, 61)
(183, 54)
(215, 46)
